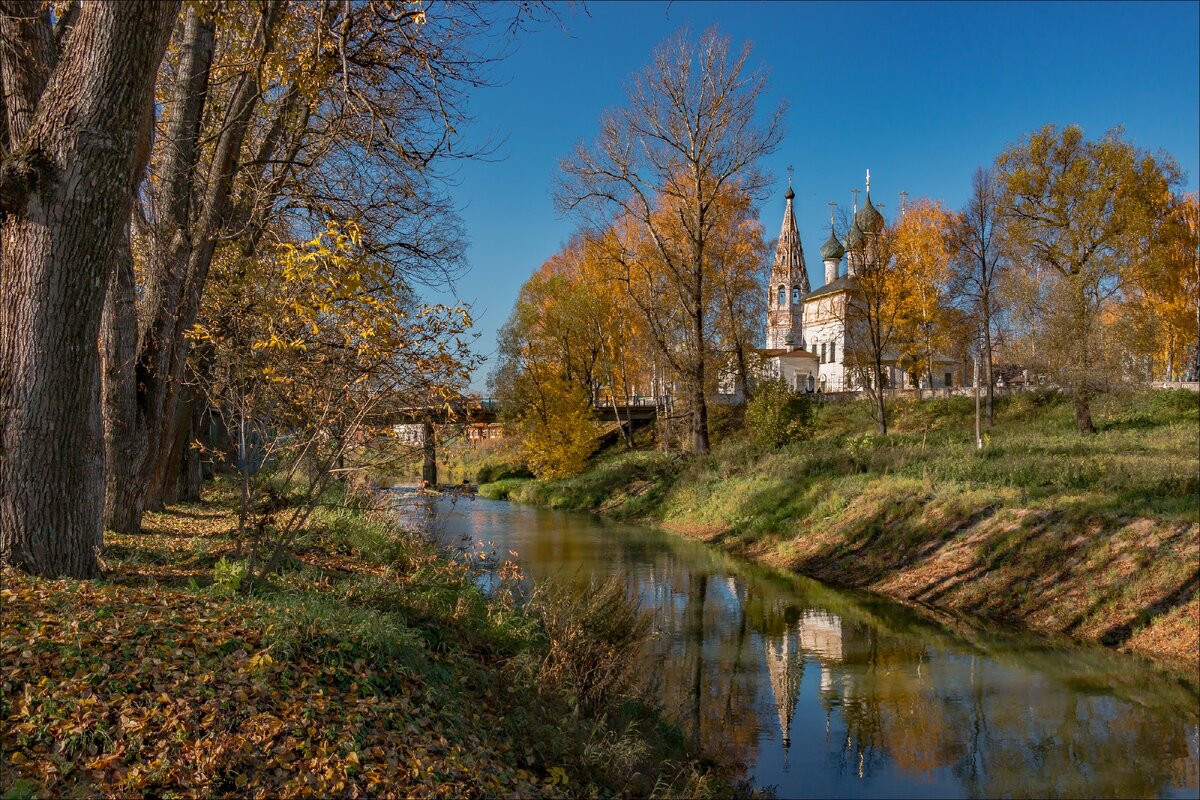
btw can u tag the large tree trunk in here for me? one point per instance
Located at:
(122, 451)
(65, 195)
(171, 350)
(133, 446)
(1083, 410)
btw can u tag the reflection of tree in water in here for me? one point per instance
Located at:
(700, 664)
(904, 700)
(1001, 730)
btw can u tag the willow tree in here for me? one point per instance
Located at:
(1081, 212)
(74, 102)
(686, 138)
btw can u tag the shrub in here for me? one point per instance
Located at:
(228, 576)
(778, 415)
(595, 635)
(500, 470)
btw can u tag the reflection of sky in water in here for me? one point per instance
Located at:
(877, 701)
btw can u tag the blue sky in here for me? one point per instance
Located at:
(920, 93)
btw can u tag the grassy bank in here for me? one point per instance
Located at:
(1093, 536)
(368, 666)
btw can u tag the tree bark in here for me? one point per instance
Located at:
(700, 440)
(62, 221)
(171, 351)
(133, 440)
(987, 353)
(118, 341)
(1083, 410)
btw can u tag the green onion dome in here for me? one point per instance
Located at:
(869, 220)
(854, 237)
(832, 250)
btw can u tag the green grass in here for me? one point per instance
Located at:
(366, 641)
(1142, 462)
(1042, 501)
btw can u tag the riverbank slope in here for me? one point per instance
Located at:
(369, 666)
(1096, 537)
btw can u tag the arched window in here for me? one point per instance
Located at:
(833, 351)
(782, 296)
(811, 382)
(822, 352)
(795, 295)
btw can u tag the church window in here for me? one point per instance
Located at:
(949, 379)
(822, 352)
(795, 295)
(782, 296)
(811, 382)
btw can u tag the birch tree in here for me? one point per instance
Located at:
(978, 233)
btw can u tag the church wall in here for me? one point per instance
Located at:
(823, 325)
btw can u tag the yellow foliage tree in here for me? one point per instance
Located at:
(1159, 316)
(922, 247)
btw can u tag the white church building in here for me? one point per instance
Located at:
(807, 338)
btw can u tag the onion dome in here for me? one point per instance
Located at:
(790, 194)
(832, 250)
(854, 237)
(869, 220)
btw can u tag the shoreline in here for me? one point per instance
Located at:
(1126, 582)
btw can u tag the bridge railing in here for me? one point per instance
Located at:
(637, 401)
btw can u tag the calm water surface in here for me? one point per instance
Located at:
(830, 693)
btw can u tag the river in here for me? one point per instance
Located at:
(822, 692)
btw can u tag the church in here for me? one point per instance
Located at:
(807, 339)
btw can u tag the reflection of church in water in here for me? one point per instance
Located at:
(816, 634)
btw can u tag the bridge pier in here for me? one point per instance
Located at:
(429, 451)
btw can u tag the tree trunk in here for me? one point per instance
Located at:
(65, 195)
(139, 451)
(700, 440)
(1083, 411)
(987, 360)
(167, 485)
(192, 476)
(880, 410)
(172, 349)
(123, 490)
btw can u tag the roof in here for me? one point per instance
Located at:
(832, 250)
(869, 219)
(842, 284)
(783, 352)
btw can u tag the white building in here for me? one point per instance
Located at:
(806, 328)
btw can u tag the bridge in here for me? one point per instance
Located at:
(415, 424)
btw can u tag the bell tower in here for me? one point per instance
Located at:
(788, 283)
